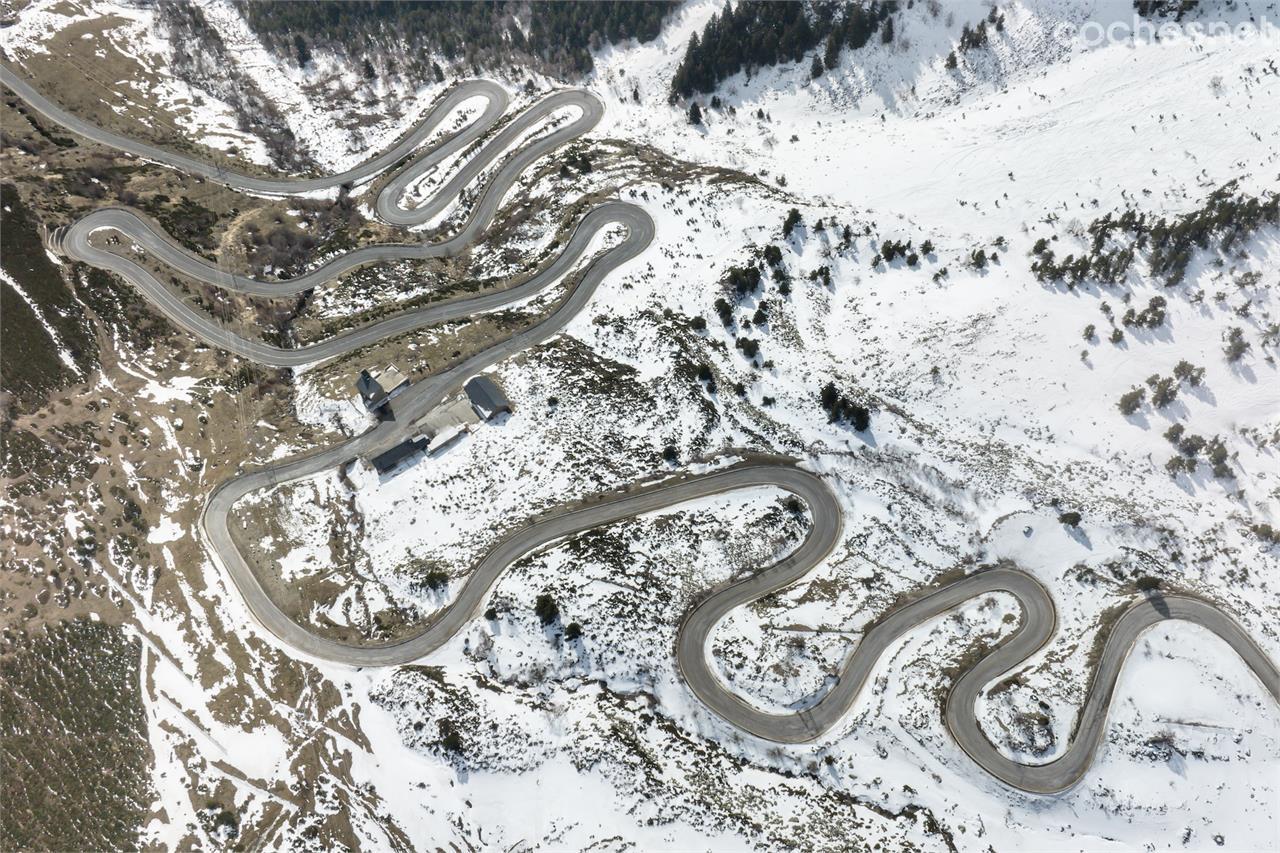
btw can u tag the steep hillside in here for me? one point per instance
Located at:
(1011, 294)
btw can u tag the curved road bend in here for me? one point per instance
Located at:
(494, 95)
(1035, 629)
(1038, 614)
(75, 238)
(74, 242)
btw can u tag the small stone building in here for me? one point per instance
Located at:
(377, 388)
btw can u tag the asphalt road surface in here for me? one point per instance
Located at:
(1038, 620)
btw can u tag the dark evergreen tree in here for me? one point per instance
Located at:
(789, 224)
(831, 53)
(300, 50)
(546, 609)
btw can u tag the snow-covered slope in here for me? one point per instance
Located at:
(994, 414)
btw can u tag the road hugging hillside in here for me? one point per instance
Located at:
(1038, 620)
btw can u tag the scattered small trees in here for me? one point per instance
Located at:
(1266, 533)
(1132, 401)
(1152, 317)
(743, 280)
(724, 311)
(889, 250)
(1164, 390)
(1218, 458)
(840, 409)
(1236, 345)
(1189, 373)
(707, 378)
(1190, 447)
(972, 38)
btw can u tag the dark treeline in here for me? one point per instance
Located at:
(565, 33)
(758, 34)
(1226, 219)
(561, 34)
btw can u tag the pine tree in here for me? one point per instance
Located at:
(695, 113)
(831, 54)
(546, 609)
(301, 50)
(816, 68)
(683, 83)
(792, 220)
(886, 31)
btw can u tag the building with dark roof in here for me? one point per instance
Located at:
(486, 397)
(389, 460)
(376, 389)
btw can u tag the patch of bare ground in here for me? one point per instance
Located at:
(92, 68)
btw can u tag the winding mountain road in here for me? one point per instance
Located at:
(1038, 620)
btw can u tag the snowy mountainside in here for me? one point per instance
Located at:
(994, 417)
